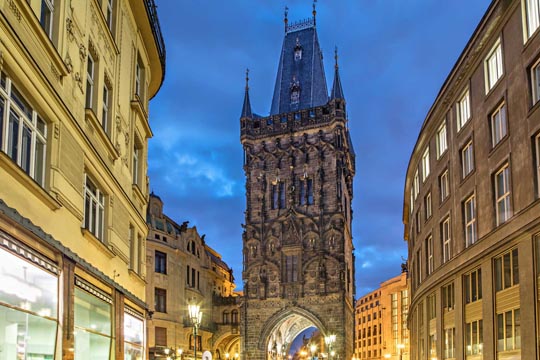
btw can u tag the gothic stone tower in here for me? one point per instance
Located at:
(297, 244)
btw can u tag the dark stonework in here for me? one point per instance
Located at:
(297, 240)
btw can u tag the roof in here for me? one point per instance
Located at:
(303, 74)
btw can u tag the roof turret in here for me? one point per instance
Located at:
(246, 108)
(337, 90)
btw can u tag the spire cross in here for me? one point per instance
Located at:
(336, 57)
(286, 20)
(314, 12)
(247, 79)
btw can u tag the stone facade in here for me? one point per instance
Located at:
(181, 270)
(472, 199)
(297, 242)
(76, 78)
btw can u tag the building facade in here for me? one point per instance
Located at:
(381, 322)
(75, 81)
(181, 270)
(297, 241)
(472, 208)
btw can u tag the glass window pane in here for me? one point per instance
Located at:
(508, 330)
(39, 165)
(500, 332)
(498, 274)
(26, 148)
(515, 267)
(133, 329)
(13, 136)
(507, 271)
(92, 313)
(2, 102)
(24, 285)
(90, 346)
(517, 328)
(132, 352)
(26, 336)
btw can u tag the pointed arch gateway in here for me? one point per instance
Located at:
(283, 328)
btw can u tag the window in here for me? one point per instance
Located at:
(532, 14)
(160, 300)
(443, 185)
(509, 330)
(416, 184)
(469, 213)
(498, 124)
(449, 343)
(429, 247)
(474, 337)
(92, 323)
(161, 262)
(506, 270)
(467, 159)
(535, 82)
(431, 307)
(161, 336)
(448, 297)
(90, 72)
(109, 13)
(225, 317)
(463, 110)
(472, 282)
(139, 78)
(281, 195)
(278, 195)
(136, 163)
(537, 157)
(106, 109)
(133, 336)
(94, 209)
(291, 268)
(493, 67)
(433, 346)
(418, 267)
(23, 132)
(502, 195)
(442, 144)
(445, 239)
(234, 316)
(47, 17)
(425, 164)
(306, 192)
(427, 205)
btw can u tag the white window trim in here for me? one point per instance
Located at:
(444, 181)
(535, 82)
(429, 209)
(416, 184)
(425, 164)
(505, 196)
(90, 74)
(528, 29)
(96, 220)
(431, 263)
(442, 142)
(463, 109)
(446, 240)
(499, 126)
(467, 159)
(494, 66)
(50, 7)
(470, 222)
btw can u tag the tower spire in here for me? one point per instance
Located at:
(286, 19)
(337, 90)
(314, 12)
(246, 108)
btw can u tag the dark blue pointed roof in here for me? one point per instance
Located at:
(302, 75)
(337, 90)
(246, 108)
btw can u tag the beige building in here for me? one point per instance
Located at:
(381, 322)
(472, 208)
(75, 80)
(182, 270)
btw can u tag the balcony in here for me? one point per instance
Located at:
(150, 6)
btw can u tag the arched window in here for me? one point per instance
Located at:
(225, 317)
(234, 316)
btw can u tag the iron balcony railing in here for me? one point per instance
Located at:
(156, 30)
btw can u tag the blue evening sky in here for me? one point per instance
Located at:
(394, 56)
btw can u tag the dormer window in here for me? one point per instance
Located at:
(295, 91)
(297, 50)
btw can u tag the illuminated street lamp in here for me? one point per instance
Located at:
(313, 348)
(401, 347)
(387, 356)
(195, 315)
(330, 340)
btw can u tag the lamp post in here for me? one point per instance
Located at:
(313, 348)
(400, 347)
(330, 340)
(195, 316)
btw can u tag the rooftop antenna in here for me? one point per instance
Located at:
(286, 20)
(314, 12)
